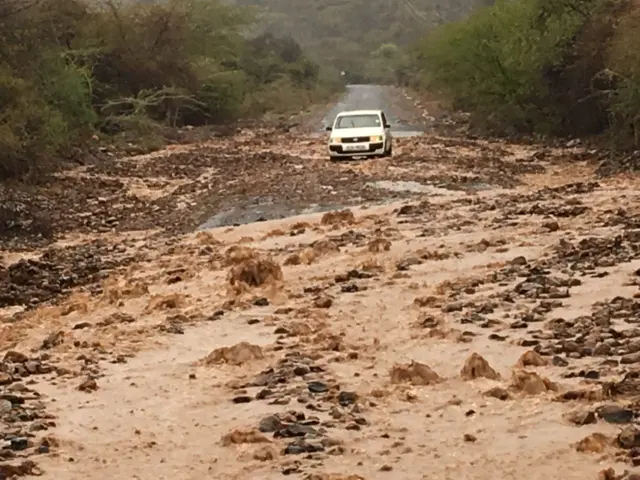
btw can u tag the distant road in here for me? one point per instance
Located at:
(372, 97)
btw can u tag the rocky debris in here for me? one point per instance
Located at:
(414, 373)
(23, 414)
(89, 385)
(237, 355)
(580, 417)
(530, 383)
(323, 301)
(378, 245)
(499, 393)
(615, 414)
(470, 438)
(513, 303)
(476, 366)
(23, 469)
(57, 271)
(629, 386)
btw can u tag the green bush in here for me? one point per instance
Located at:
(68, 67)
(562, 67)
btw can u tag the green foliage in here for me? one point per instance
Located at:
(535, 66)
(624, 93)
(68, 67)
(347, 36)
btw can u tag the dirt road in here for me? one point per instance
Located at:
(468, 310)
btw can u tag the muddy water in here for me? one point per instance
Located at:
(264, 210)
(357, 97)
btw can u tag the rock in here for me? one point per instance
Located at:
(323, 302)
(52, 340)
(499, 393)
(531, 358)
(317, 387)
(242, 399)
(347, 398)
(81, 326)
(468, 437)
(453, 307)
(27, 467)
(260, 301)
(5, 378)
(237, 355)
(476, 366)
(301, 370)
(580, 418)
(559, 361)
(5, 406)
(19, 443)
(521, 261)
(614, 414)
(629, 437)
(531, 383)
(414, 373)
(89, 385)
(15, 357)
(630, 358)
(270, 424)
(298, 447)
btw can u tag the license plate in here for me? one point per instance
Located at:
(355, 148)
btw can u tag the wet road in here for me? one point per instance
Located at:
(373, 97)
(357, 97)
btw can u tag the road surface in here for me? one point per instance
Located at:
(376, 97)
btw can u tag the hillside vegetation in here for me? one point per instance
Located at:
(70, 68)
(364, 38)
(560, 67)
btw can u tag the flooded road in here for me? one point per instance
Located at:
(357, 97)
(480, 324)
(456, 332)
(375, 97)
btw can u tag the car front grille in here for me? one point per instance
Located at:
(355, 139)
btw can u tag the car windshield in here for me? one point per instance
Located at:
(358, 121)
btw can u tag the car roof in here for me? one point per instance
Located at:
(359, 112)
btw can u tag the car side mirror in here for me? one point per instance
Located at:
(386, 125)
(328, 129)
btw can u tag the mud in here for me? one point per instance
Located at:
(466, 309)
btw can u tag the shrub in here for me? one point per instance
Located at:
(70, 66)
(563, 67)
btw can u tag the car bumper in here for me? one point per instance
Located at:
(373, 148)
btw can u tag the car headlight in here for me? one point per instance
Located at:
(336, 140)
(376, 138)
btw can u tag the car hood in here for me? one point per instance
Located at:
(357, 132)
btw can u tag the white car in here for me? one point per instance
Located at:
(360, 133)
